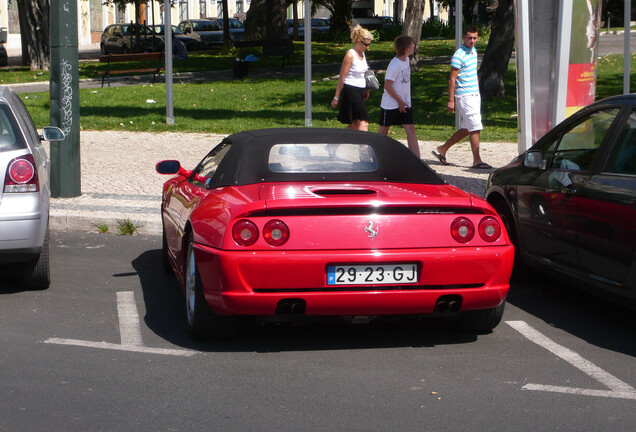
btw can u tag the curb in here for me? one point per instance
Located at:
(60, 221)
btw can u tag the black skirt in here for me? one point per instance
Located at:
(352, 105)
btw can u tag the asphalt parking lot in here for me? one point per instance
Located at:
(105, 348)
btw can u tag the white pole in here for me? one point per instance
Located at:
(307, 63)
(564, 36)
(458, 43)
(167, 53)
(627, 58)
(524, 94)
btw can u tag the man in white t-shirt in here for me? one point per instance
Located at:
(395, 107)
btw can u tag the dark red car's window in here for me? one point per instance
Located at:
(622, 159)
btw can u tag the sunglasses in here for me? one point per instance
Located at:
(365, 43)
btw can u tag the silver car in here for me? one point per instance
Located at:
(24, 194)
(206, 33)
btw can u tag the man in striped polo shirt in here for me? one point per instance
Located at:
(463, 95)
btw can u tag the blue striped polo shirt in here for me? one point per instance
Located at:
(466, 61)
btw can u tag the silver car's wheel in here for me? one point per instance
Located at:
(202, 322)
(37, 273)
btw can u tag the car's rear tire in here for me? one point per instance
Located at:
(37, 273)
(202, 322)
(481, 321)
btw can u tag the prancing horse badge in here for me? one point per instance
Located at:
(369, 230)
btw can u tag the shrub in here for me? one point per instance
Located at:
(434, 28)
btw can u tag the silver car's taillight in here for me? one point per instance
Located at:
(21, 175)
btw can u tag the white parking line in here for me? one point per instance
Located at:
(618, 388)
(129, 331)
(118, 347)
(128, 319)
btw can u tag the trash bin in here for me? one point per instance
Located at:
(240, 68)
(3, 50)
(4, 60)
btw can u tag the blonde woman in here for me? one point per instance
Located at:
(350, 91)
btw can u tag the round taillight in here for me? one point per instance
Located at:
(21, 171)
(245, 233)
(275, 232)
(489, 229)
(462, 230)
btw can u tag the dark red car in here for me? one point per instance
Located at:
(290, 223)
(569, 202)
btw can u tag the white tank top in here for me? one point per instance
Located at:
(355, 76)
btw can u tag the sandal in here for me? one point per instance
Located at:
(482, 165)
(442, 159)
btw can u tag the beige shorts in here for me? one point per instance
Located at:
(469, 108)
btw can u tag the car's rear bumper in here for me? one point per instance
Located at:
(22, 227)
(253, 283)
(20, 240)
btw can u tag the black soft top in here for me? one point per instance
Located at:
(247, 160)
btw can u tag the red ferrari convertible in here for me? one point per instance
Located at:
(328, 222)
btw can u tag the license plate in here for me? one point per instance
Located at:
(372, 274)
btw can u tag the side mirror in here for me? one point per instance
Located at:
(534, 159)
(168, 167)
(52, 133)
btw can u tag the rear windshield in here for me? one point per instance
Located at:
(322, 158)
(10, 137)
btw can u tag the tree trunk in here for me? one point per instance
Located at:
(276, 27)
(413, 16)
(34, 29)
(255, 20)
(397, 5)
(296, 34)
(492, 72)
(340, 15)
(227, 41)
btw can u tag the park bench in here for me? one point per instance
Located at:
(270, 48)
(151, 57)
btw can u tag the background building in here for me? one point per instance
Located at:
(93, 15)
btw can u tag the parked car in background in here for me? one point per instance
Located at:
(569, 202)
(307, 222)
(387, 21)
(189, 42)
(320, 25)
(301, 28)
(362, 13)
(129, 38)
(237, 29)
(206, 33)
(24, 194)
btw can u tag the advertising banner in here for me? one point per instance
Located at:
(581, 85)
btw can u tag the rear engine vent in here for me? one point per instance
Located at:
(331, 192)
(351, 211)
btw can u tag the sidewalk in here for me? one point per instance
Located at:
(119, 181)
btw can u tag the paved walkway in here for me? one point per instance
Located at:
(119, 181)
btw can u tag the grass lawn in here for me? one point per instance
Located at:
(231, 106)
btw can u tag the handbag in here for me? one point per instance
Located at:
(371, 80)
